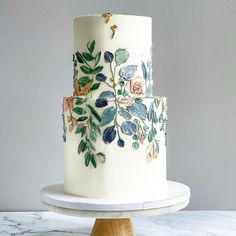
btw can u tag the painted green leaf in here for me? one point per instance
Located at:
(94, 113)
(138, 100)
(97, 58)
(87, 158)
(121, 83)
(135, 145)
(87, 56)
(82, 118)
(124, 93)
(79, 101)
(149, 114)
(80, 129)
(83, 132)
(154, 117)
(84, 146)
(145, 128)
(96, 128)
(137, 121)
(162, 107)
(124, 113)
(90, 145)
(93, 161)
(83, 81)
(108, 115)
(162, 127)
(79, 57)
(91, 46)
(97, 69)
(157, 146)
(165, 121)
(151, 134)
(161, 117)
(144, 69)
(92, 136)
(86, 70)
(101, 156)
(135, 137)
(79, 110)
(81, 144)
(94, 87)
(121, 56)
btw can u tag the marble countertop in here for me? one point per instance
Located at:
(183, 223)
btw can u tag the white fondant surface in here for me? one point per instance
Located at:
(126, 173)
(134, 33)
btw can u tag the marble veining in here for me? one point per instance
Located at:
(183, 223)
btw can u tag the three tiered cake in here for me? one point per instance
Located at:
(114, 128)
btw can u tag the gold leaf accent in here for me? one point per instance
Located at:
(106, 17)
(113, 29)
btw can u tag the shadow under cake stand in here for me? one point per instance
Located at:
(113, 216)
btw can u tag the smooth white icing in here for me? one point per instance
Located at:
(126, 173)
(134, 33)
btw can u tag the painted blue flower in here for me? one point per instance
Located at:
(107, 94)
(138, 110)
(101, 102)
(120, 142)
(109, 134)
(108, 57)
(128, 128)
(101, 77)
(127, 72)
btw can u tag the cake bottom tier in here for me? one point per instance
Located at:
(115, 149)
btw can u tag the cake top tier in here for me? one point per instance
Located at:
(112, 53)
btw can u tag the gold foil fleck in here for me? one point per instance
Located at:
(113, 29)
(106, 17)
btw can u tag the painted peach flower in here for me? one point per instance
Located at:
(136, 86)
(68, 103)
(126, 101)
(73, 122)
(81, 91)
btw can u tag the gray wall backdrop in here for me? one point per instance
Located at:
(194, 67)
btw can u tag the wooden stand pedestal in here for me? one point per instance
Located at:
(113, 227)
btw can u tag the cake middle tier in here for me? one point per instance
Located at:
(121, 64)
(115, 148)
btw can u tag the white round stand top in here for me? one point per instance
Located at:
(54, 198)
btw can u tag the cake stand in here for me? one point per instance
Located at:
(113, 216)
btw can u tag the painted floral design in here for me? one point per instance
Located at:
(153, 148)
(83, 118)
(88, 63)
(127, 92)
(123, 110)
(136, 86)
